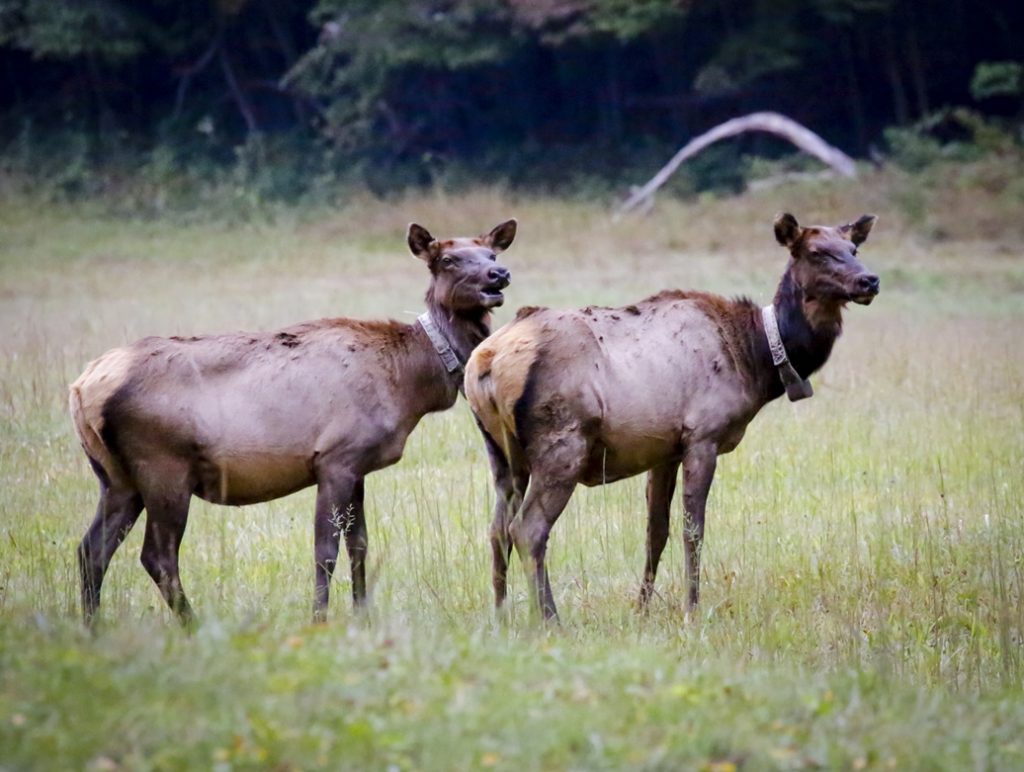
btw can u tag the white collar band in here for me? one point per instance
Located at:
(796, 387)
(444, 349)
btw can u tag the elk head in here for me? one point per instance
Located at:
(825, 265)
(467, 279)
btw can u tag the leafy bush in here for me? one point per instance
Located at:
(956, 134)
(993, 79)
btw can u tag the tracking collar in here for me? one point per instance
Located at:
(444, 349)
(796, 387)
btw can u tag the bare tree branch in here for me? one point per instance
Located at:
(191, 71)
(772, 123)
(236, 93)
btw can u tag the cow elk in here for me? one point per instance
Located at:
(248, 417)
(600, 394)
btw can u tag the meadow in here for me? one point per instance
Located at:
(863, 565)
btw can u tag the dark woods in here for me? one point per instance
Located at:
(426, 84)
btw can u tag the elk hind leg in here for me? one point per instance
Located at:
(510, 481)
(530, 530)
(553, 481)
(118, 509)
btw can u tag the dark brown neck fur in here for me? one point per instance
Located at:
(808, 330)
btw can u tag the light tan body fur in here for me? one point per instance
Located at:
(249, 417)
(710, 394)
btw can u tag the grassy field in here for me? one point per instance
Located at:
(864, 562)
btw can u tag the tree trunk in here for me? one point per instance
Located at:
(288, 53)
(665, 60)
(917, 73)
(104, 116)
(853, 84)
(191, 71)
(612, 111)
(892, 71)
(237, 93)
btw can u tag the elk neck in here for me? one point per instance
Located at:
(808, 339)
(464, 330)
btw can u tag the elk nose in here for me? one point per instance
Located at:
(868, 283)
(499, 273)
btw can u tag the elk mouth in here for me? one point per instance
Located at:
(865, 287)
(863, 299)
(491, 295)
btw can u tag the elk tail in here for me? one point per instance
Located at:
(494, 398)
(103, 462)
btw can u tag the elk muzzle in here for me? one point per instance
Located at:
(498, 277)
(865, 287)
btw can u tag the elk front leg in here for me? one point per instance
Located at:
(698, 472)
(661, 487)
(333, 511)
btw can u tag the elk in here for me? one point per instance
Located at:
(248, 417)
(596, 395)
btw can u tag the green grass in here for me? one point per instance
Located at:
(863, 574)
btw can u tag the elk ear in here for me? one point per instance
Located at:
(787, 229)
(420, 241)
(501, 236)
(858, 231)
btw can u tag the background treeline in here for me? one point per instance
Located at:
(290, 99)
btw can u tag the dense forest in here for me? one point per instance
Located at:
(525, 91)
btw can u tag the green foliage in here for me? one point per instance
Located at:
(997, 79)
(629, 19)
(257, 697)
(67, 29)
(957, 135)
(771, 44)
(428, 92)
(912, 149)
(367, 45)
(950, 196)
(561, 21)
(849, 12)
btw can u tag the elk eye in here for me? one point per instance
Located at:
(447, 260)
